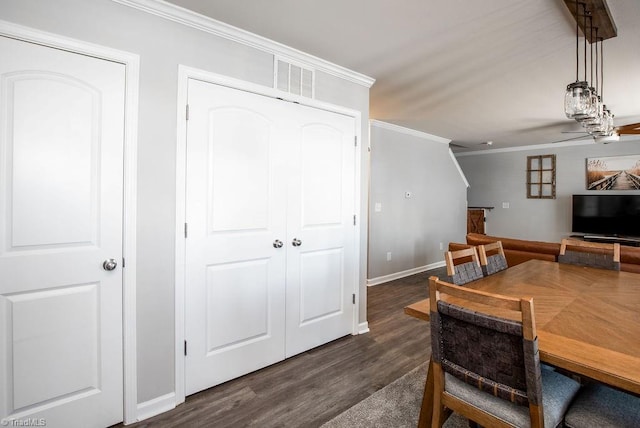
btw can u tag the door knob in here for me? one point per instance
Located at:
(109, 264)
(296, 242)
(277, 243)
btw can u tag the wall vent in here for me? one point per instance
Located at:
(293, 78)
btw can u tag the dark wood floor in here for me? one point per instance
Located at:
(313, 387)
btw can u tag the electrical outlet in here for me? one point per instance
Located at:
(505, 205)
(441, 246)
(378, 207)
(389, 256)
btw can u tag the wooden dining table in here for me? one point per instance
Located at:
(587, 320)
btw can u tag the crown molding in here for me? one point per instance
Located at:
(528, 148)
(200, 22)
(408, 131)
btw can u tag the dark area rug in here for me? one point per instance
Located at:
(396, 405)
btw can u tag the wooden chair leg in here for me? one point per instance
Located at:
(439, 411)
(426, 410)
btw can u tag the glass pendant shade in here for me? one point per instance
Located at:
(596, 102)
(602, 127)
(610, 128)
(593, 112)
(577, 101)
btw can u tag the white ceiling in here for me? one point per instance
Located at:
(467, 70)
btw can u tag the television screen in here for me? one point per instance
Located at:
(612, 215)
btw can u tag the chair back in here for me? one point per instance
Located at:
(492, 258)
(594, 254)
(487, 341)
(467, 271)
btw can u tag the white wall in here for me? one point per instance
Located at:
(499, 176)
(162, 46)
(412, 228)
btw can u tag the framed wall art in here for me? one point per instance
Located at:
(613, 173)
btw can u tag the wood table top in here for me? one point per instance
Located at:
(587, 319)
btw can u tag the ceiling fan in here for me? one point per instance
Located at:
(618, 131)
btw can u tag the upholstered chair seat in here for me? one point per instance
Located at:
(600, 406)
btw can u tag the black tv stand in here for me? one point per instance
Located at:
(622, 240)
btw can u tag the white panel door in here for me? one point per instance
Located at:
(320, 226)
(235, 195)
(61, 181)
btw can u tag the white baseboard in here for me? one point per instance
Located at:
(398, 275)
(158, 405)
(363, 327)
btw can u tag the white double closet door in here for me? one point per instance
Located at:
(270, 248)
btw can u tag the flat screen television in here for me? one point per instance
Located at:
(610, 215)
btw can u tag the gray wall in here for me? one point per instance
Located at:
(162, 45)
(496, 177)
(412, 228)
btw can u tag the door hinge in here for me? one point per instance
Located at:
(353, 298)
(123, 264)
(185, 230)
(187, 112)
(355, 141)
(354, 219)
(185, 347)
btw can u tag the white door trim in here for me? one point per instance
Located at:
(132, 67)
(184, 74)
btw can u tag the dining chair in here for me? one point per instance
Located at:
(492, 258)
(597, 405)
(486, 364)
(594, 254)
(463, 266)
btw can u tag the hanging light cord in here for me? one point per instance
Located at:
(597, 81)
(584, 8)
(591, 45)
(577, 44)
(602, 67)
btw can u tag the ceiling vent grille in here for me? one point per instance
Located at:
(293, 78)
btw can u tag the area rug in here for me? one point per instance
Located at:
(397, 405)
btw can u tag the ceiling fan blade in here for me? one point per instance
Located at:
(570, 139)
(631, 128)
(628, 131)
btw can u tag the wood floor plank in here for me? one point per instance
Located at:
(315, 386)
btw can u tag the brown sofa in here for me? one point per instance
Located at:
(519, 250)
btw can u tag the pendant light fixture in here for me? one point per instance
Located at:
(584, 102)
(577, 98)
